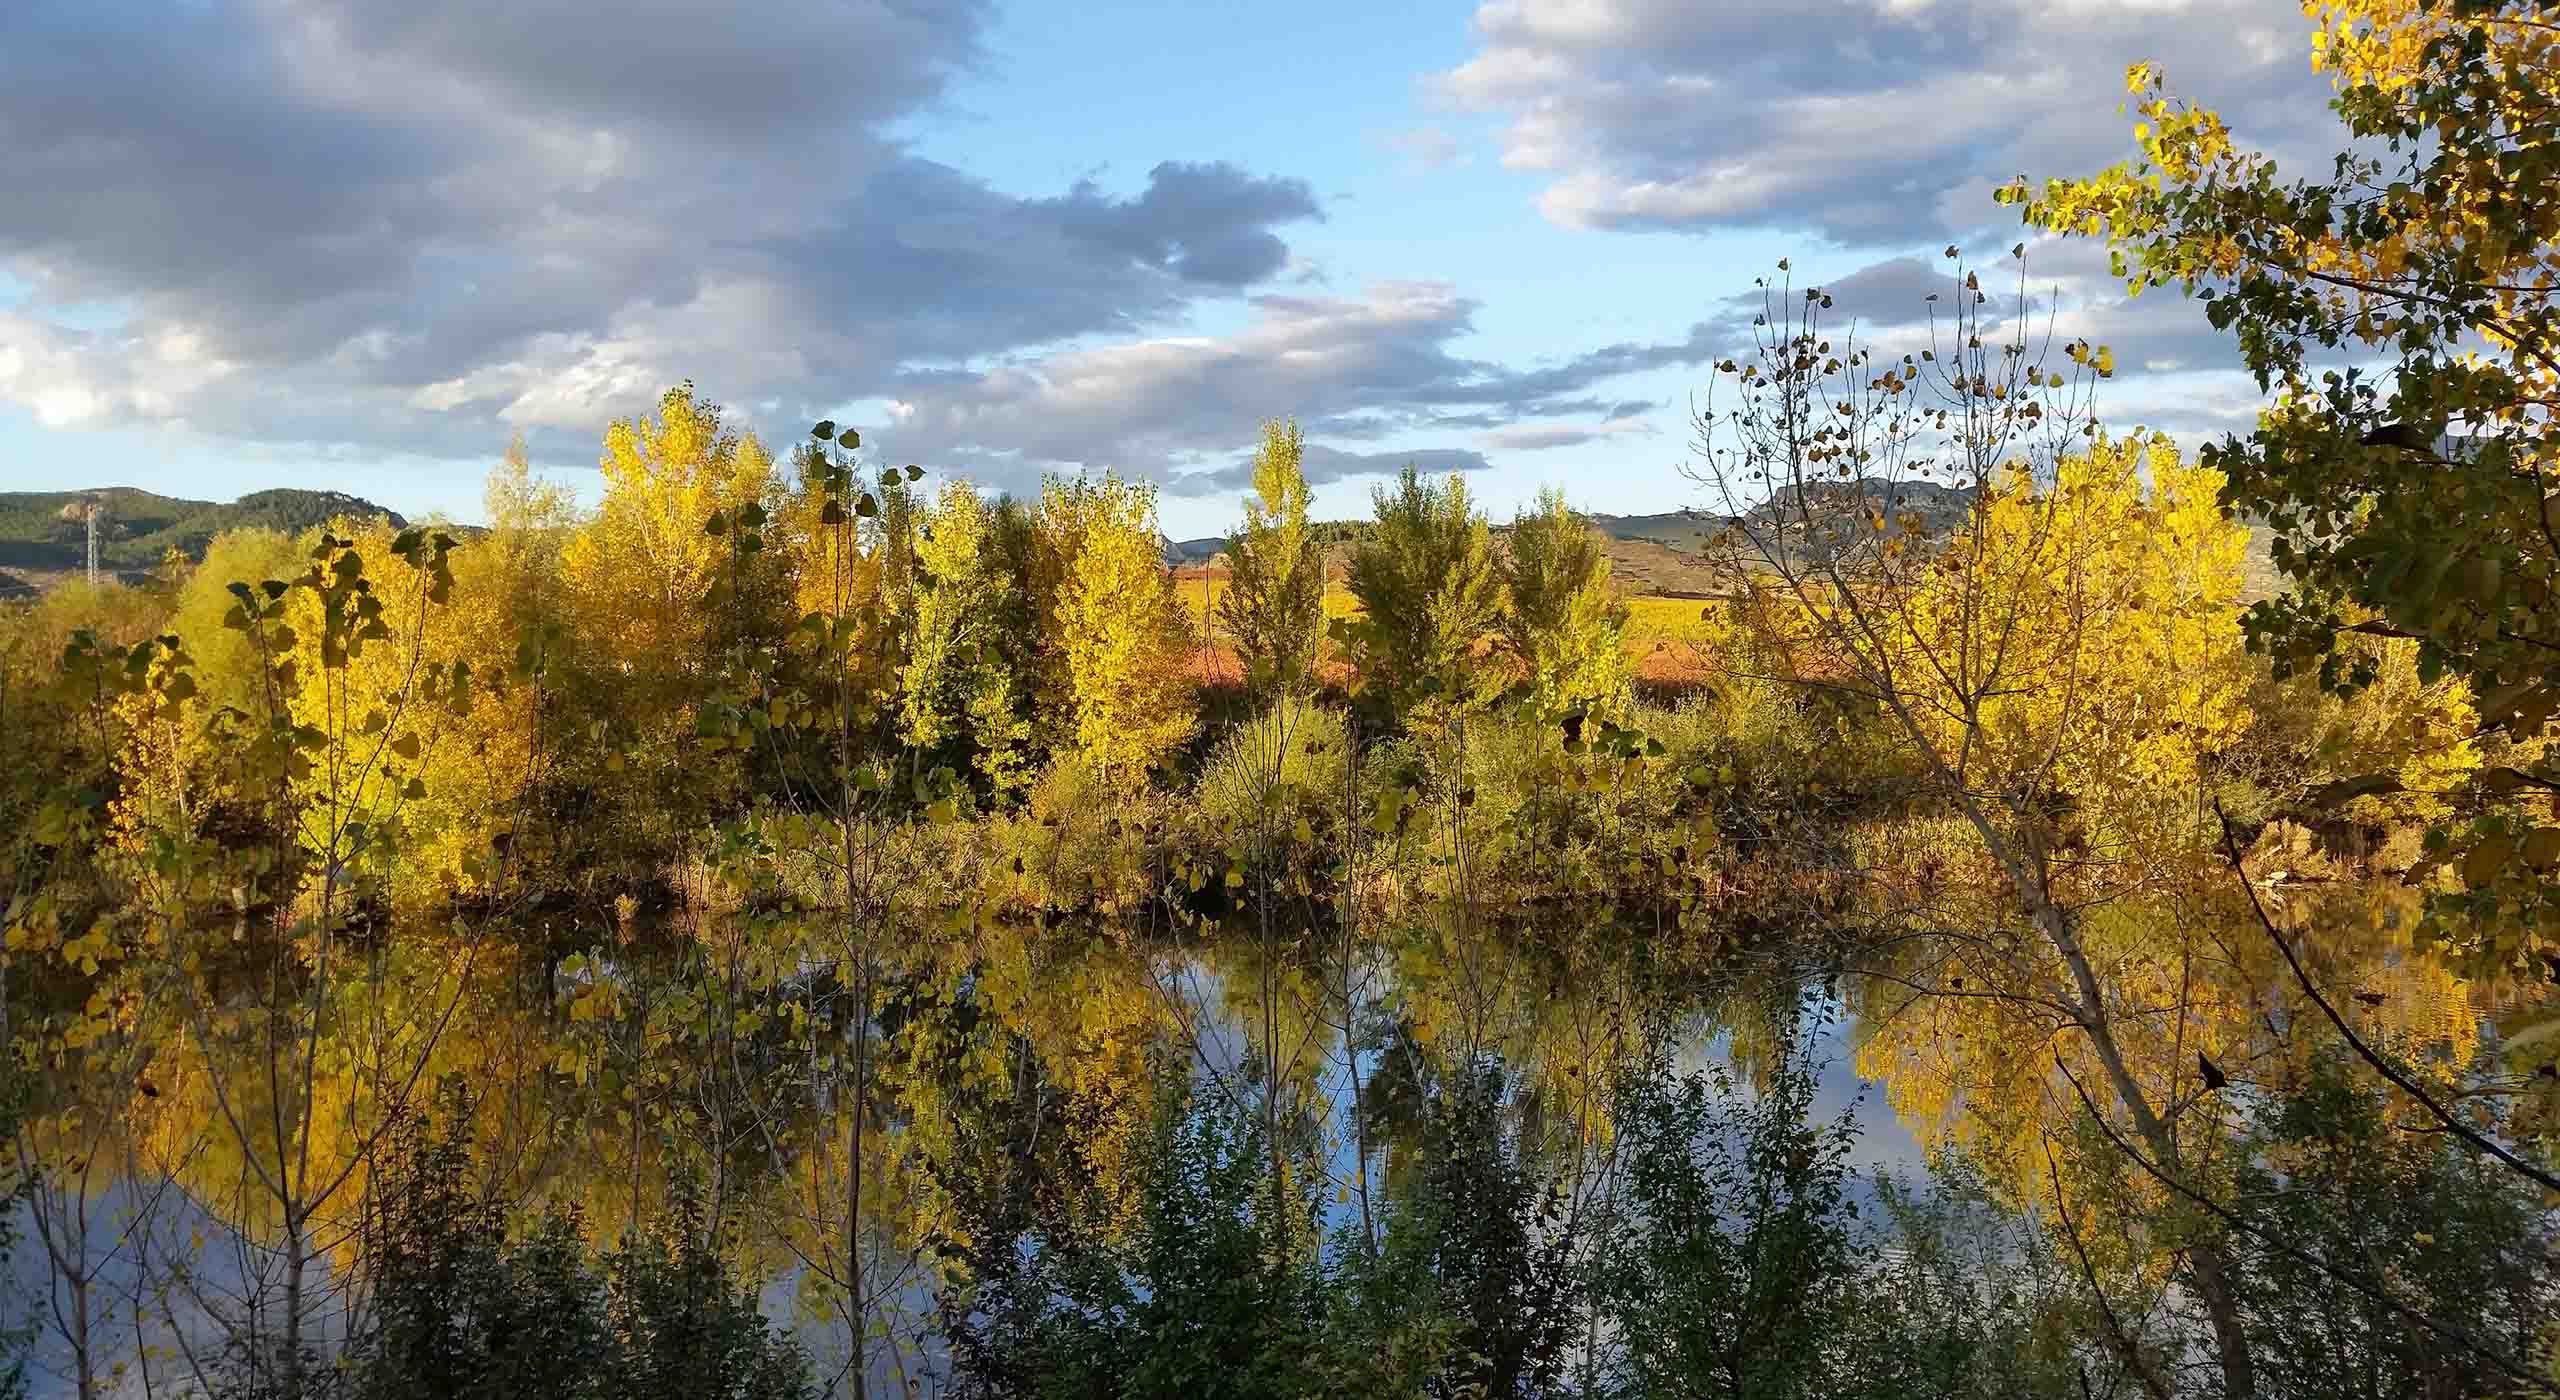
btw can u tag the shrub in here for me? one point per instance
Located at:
(465, 1307)
(1291, 754)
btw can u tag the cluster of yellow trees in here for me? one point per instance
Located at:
(604, 657)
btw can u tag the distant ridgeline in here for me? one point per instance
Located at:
(136, 528)
(1937, 507)
(38, 545)
(1650, 552)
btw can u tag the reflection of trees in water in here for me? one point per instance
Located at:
(1036, 1085)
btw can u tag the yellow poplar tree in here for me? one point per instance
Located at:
(640, 571)
(1120, 629)
(1274, 603)
(658, 598)
(439, 713)
(2117, 584)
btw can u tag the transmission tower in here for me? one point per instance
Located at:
(89, 511)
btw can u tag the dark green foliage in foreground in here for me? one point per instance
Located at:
(1490, 1233)
(2346, 1213)
(1733, 1256)
(1737, 1263)
(1216, 1289)
(1730, 1261)
(17, 1333)
(464, 1308)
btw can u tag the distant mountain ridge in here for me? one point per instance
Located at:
(1663, 552)
(138, 527)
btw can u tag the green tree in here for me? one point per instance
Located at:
(17, 1337)
(1430, 592)
(1205, 1283)
(461, 1304)
(1274, 604)
(1734, 1258)
(465, 1304)
(1565, 623)
(2331, 1187)
(960, 696)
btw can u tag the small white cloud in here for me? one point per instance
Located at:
(1538, 437)
(1427, 148)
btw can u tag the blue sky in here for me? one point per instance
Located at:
(360, 245)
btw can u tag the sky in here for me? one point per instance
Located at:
(362, 245)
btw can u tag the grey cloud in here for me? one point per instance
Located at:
(1851, 119)
(673, 65)
(1538, 437)
(1351, 370)
(1206, 223)
(378, 225)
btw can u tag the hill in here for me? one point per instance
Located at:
(1661, 553)
(139, 526)
(1178, 553)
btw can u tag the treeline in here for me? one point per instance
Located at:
(594, 666)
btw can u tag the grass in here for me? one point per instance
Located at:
(1688, 620)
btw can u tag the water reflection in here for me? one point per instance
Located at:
(1009, 1075)
(236, 1146)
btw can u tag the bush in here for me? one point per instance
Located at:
(1736, 1263)
(1082, 842)
(1292, 752)
(464, 1307)
(1215, 1286)
(2339, 1194)
(1540, 813)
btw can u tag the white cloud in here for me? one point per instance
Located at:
(1352, 370)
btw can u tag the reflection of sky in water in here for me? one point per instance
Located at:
(171, 1225)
